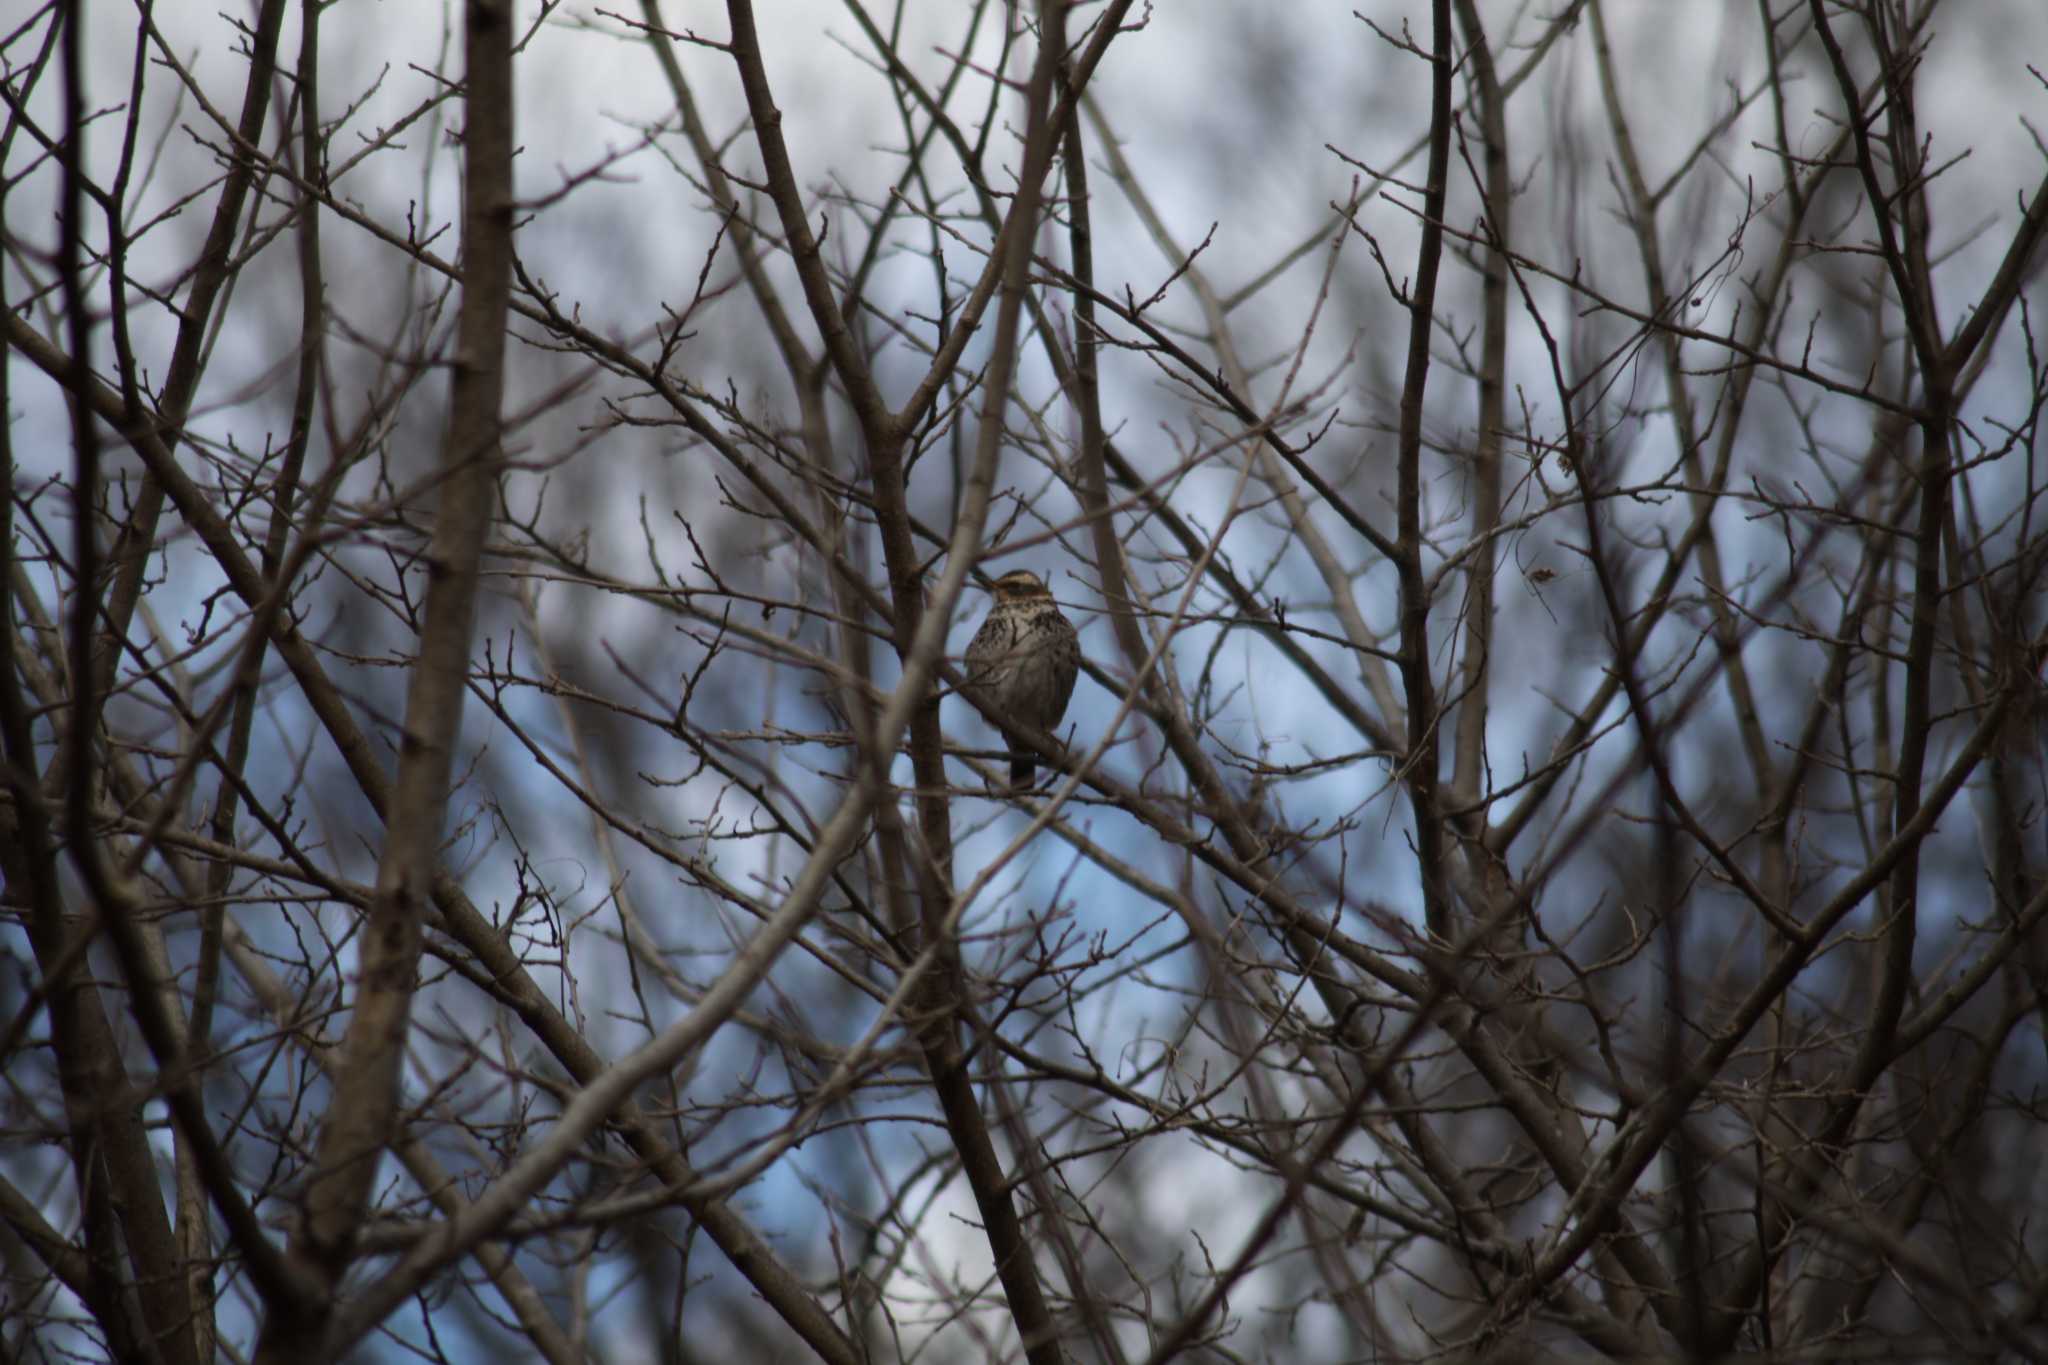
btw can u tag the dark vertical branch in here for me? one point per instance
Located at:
(1642, 219)
(105, 1145)
(1497, 225)
(746, 241)
(1083, 384)
(1909, 271)
(130, 553)
(99, 630)
(193, 1231)
(805, 251)
(363, 1115)
(28, 870)
(1419, 768)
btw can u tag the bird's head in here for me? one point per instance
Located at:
(1019, 585)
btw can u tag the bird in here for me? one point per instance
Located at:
(1023, 661)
